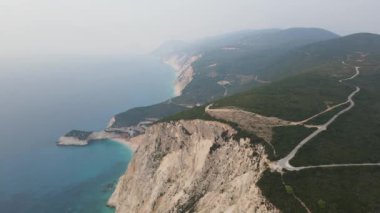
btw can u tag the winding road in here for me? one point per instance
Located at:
(284, 162)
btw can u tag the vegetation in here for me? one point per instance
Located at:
(190, 114)
(304, 80)
(294, 98)
(252, 54)
(289, 189)
(325, 190)
(322, 119)
(322, 204)
(278, 194)
(355, 136)
(81, 135)
(343, 190)
(278, 54)
(285, 138)
(136, 115)
(199, 113)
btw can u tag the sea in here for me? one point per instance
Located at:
(43, 98)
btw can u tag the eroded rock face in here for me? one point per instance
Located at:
(182, 64)
(192, 166)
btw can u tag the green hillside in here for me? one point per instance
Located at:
(254, 49)
(315, 54)
(294, 98)
(138, 114)
(352, 138)
(240, 61)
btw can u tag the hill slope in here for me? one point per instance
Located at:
(352, 138)
(228, 64)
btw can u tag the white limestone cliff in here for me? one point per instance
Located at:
(182, 64)
(192, 166)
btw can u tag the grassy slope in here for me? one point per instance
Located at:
(326, 116)
(355, 137)
(199, 113)
(352, 138)
(294, 98)
(272, 188)
(135, 115)
(191, 114)
(285, 138)
(342, 189)
(256, 51)
(308, 93)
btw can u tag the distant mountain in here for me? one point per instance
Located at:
(170, 47)
(240, 61)
(258, 39)
(303, 58)
(309, 66)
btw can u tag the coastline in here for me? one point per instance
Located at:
(96, 136)
(182, 66)
(127, 143)
(129, 136)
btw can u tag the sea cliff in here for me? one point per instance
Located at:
(192, 166)
(182, 64)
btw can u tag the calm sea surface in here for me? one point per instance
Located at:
(41, 100)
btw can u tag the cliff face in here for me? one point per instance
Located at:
(189, 166)
(182, 64)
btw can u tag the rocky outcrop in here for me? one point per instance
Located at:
(75, 138)
(192, 166)
(83, 138)
(182, 64)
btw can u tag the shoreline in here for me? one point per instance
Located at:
(98, 136)
(127, 143)
(183, 69)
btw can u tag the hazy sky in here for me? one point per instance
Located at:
(83, 27)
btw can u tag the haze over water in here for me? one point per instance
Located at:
(41, 100)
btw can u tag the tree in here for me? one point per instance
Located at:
(289, 189)
(322, 204)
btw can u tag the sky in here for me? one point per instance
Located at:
(115, 27)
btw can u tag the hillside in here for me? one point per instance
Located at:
(228, 64)
(318, 53)
(234, 67)
(338, 169)
(301, 104)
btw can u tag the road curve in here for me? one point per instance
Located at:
(335, 165)
(284, 162)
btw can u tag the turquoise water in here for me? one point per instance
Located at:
(42, 99)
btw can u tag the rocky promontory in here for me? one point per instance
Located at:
(192, 166)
